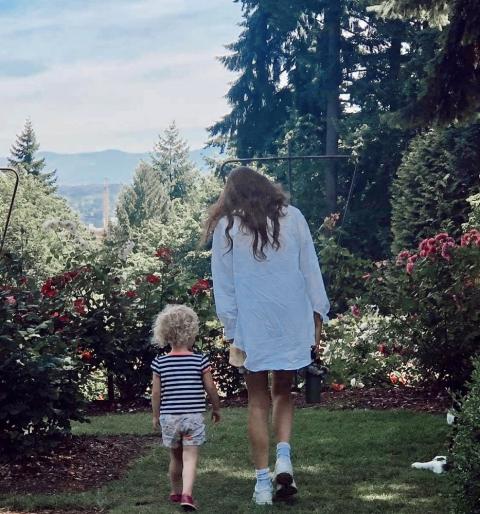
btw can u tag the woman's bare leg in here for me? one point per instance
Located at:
(282, 405)
(258, 412)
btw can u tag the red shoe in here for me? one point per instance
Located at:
(175, 498)
(188, 503)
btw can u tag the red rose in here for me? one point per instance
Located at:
(152, 279)
(80, 306)
(131, 293)
(355, 310)
(411, 263)
(382, 349)
(446, 250)
(337, 387)
(86, 356)
(442, 237)
(48, 289)
(10, 300)
(164, 254)
(64, 318)
(471, 238)
(200, 286)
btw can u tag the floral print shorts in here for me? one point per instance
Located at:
(182, 430)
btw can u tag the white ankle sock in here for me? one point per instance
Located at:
(264, 480)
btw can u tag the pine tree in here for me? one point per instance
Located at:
(437, 174)
(145, 199)
(23, 156)
(258, 101)
(452, 89)
(170, 159)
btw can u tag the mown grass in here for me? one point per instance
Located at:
(345, 462)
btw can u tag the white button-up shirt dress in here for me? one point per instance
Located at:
(267, 306)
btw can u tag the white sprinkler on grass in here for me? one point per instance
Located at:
(437, 464)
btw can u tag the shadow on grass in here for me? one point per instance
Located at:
(346, 462)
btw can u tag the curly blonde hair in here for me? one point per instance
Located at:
(176, 325)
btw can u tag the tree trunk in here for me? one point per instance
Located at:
(110, 387)
(334, 77)
(394, 58)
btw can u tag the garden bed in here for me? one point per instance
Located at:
(77, 464)
(377, 398)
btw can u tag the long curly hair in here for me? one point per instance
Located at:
(257, 202)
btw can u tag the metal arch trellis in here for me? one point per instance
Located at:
(289, 158)
(10, 209)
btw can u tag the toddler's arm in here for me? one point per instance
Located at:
(156, 384)
(212, 393)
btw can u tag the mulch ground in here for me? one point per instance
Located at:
(49, 511)
(376, 398)
(77, 464)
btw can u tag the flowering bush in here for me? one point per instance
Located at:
(367, 348)
(437, 289)
(41, 372)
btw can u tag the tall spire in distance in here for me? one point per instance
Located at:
(106, 207)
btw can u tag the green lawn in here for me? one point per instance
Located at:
(346, 462)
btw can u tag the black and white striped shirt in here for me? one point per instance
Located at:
(181, 376)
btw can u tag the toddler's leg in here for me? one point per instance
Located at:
(175, 470)
(190, 458)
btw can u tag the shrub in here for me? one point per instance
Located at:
(437, 174)
(437, 290)
(474, 216)
(344, 273)
(465, 452)
(40, 374)
(370, 349)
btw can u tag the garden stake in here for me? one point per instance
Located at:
(4, 235)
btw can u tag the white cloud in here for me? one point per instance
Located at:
(81, 97)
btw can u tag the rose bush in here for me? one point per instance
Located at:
(436, 290)
(41, 372)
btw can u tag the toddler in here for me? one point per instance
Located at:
(180, 380)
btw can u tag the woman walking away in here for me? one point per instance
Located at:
(270, 297)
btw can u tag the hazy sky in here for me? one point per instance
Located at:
(98, 74)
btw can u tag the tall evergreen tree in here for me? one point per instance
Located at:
(171, 161)
(145, 199)
(452, 90)
(23, 156)
(258, 101)
(329, 75)
(438, 173)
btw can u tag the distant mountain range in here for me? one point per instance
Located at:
(80, 177)
(82, 169)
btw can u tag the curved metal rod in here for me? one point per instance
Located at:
(17, 179)
(288, 158)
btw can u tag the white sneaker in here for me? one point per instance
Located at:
(283, 478)
(262, 496)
